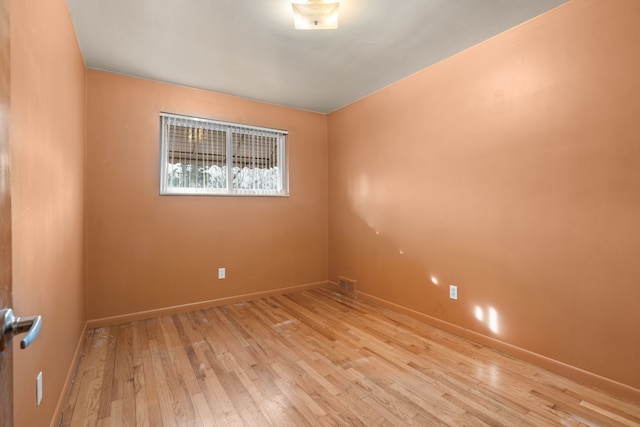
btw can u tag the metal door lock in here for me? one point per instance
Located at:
(11, 325)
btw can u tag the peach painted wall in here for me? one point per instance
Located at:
(511, 170)
(147, 251)
(47, 143)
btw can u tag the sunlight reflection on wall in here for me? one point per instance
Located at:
(491, 318)
(365, 200)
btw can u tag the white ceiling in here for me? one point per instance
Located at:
(249, 48)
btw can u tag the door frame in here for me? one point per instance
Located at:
(6, 298)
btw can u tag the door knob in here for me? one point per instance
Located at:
(11, 325)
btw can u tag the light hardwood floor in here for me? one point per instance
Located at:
(316, 358)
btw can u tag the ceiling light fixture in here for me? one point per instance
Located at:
(315, 15)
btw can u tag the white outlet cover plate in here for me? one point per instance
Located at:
(222, 273)
(39, 388)
(453, 292)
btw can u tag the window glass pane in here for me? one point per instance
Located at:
(196, 158)
(208, 157)
(255, 162)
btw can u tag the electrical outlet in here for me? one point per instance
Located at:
(39, 388)
(453, 292)
(222, 273)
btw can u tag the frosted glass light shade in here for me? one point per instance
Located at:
(315, 15)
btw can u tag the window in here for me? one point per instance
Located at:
(208, 157)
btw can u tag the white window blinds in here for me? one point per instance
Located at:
(208, 157)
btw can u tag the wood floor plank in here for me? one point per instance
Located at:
(316, 358)
(91, 386)
(147, 380)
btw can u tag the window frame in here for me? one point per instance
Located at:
(230, 129)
